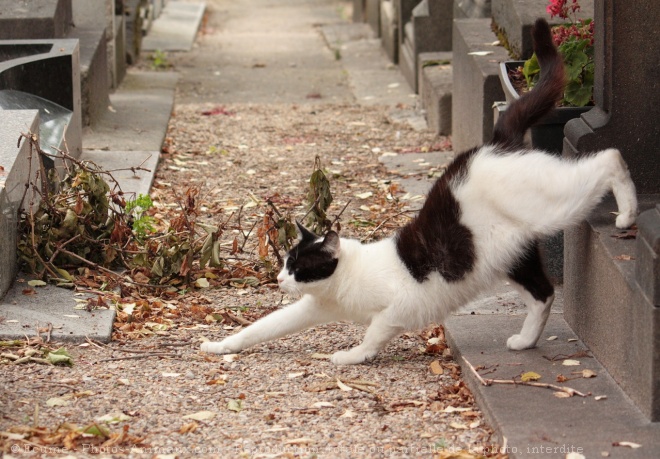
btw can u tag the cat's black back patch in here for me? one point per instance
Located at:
(435, 240)
(311, 260)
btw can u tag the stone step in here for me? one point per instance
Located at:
(389, 31)
(429, 30)
(21, 20)
(611, 301)
(49, 69)
(17, 165)
(130, 136)
(435, 90)
(94, 84)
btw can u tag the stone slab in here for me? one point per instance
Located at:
(94, 75)
(18, 165)
(34, 19)
(534, 422)
(476, 84)
(472, 9)
(435, 90)
(24, 314)
(372, 78)
(132, 183)
(50, 69)
(139, 114)
(416, 171)
(176, 28)
(389, 32)
(608, 310)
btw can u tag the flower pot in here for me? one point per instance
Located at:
(548, 134)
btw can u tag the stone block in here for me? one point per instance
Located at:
(647, 265)
(515, 19)
(35, 19)
(99, 14)
(429, 29)
(605, 306)
(476, 84)
(359, 14)
(472, 9)
(435, 89)
(94, 84)
(389, 32)
(120, 52)
(49, 69)
(133, 15)
(610, 298)
(20, 166)
(372, 11)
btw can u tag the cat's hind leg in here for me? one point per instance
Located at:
(301, 315)
(537, 292)
(379, 333)
(623, 189)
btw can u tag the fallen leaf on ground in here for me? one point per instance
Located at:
(235, 405)
(299, 441)
(201, 416)
(37, 283)
(188, 428)
(113, 418)
(57, 401)
(551, 338)
(60, 357)
(629, 444)
(323, 405)
(453, 409)
(458, 425)
(560, 394)
(600, 397)
(530, 376)
(436, 367)
(570, 363)
(589, 373)
(343, 386)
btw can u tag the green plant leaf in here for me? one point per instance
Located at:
(531, 70)
(578, 95)
(60, 357)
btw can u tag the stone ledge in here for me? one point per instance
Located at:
(533, 418)
(606, 307)
(94, 84)
(435, 90)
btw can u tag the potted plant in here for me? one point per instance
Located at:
(574, 40)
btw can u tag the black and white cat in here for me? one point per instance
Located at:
(480, 224)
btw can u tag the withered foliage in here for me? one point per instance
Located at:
(77, 225)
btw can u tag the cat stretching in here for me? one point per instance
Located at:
(480, 224)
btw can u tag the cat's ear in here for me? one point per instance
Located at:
(304, 234)
(331, 243)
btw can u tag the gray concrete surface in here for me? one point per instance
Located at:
(176, 27)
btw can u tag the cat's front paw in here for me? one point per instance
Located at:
(226, 346)
(348, 357)
(625, 220)
(519, 343)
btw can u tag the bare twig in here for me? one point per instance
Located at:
(487, 382)
(136, 357)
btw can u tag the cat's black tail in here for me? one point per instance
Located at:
(526, 111)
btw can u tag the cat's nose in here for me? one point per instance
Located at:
(280, 279)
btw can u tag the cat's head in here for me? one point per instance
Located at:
(311, 261)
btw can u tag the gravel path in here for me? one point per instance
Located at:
(160, 395)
